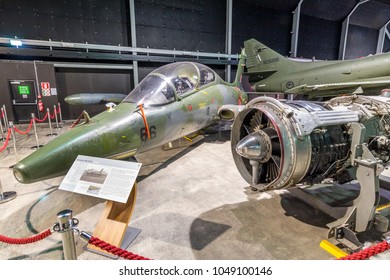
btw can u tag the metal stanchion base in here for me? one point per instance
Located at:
(36, 147)
(130, 235)
(7, 196)
(51, 135)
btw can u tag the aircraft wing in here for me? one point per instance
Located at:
(346, 86)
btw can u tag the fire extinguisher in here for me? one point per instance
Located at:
(41, 108)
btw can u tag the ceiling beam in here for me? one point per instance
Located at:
(344, 30)
(383, 33)
(295, 30)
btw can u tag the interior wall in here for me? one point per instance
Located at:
(25, 70)
(269, 26)
(72, 81)
(318, 38)
(95, 22)
(386, 45)
(195, 25)
(365, 38)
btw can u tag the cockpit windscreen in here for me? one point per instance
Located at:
(165, 83)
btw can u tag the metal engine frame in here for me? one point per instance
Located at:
(360, 216)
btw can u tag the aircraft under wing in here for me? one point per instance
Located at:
(347, 87)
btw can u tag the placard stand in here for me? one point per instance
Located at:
(113, 224)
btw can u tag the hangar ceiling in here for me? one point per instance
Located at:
(196, 26)
(374, 14)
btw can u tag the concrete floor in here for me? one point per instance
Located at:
(192, 204)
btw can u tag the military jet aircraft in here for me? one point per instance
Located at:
(94, 98)
(171, 102)
(271, 72)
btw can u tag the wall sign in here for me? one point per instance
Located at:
(45, 87)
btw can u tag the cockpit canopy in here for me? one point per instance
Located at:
(170, 82)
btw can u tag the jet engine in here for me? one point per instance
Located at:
(279, 143)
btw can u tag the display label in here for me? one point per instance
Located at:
(105, 178)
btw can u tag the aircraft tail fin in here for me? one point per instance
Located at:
(240, 68)
(262, 60)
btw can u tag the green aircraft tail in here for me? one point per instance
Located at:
(261, 60)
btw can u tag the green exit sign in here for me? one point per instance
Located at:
(24, 89)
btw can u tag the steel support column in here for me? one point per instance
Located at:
(295, 30)
(344, 31)
(133, 40)
(383, 33)
(228, 47)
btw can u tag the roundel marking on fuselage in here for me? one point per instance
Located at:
(289, 84)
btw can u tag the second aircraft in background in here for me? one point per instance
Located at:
(271, 72)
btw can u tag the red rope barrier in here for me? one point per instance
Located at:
(58, 109)
(6, 141)
(28, 129)
(44, 118)
(53, 115)
(27, 240)
(115, 250)
(2, 114)
(368, 252)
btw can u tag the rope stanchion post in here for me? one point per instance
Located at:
(12, 127)
(65, 226)
(50, 126)
(55, 114)
(6, 196)
(51, 130)
(5, 116)
(35, 132)
(1, 128)
(60, 112)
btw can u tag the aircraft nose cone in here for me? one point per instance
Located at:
(22, 173)
(255, 146)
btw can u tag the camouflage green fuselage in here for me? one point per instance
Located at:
(121, 132)
(294, 73)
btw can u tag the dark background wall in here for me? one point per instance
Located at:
(196, 25)
(358, 35)
(15, 70)
(72, 81)
(95, 22)
(270, 26)
(317, 37)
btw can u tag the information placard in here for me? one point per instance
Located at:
(99, 177)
